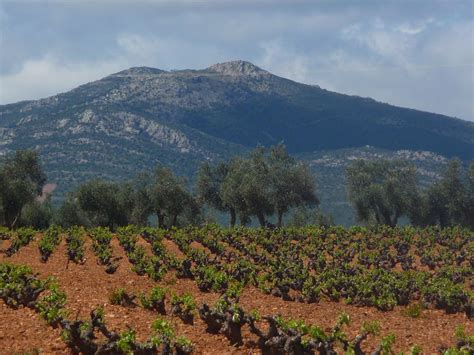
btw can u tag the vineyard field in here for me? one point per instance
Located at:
(211, 290)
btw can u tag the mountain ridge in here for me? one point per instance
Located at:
(131, 120)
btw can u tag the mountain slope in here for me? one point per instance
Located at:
(131, 120)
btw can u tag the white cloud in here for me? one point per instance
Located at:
(414, 28)
(48, 76)
(166, 53)
(51, 74)
(284, 61)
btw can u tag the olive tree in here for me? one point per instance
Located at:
(291, 183)
(255, 186)
(21, 182)
(382, 191)
(450, 200)
(170, 198)
(105, 203)
(70, 213)
(467, 206)
(209, 186)
(231, 191)
(269, 181)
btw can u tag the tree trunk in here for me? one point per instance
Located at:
(395, 219)
(261, 219)
(387, 218)
(11, 219)
(175, 220)
(280, 219)
(377, 216)
(161, 220)
(233, 217)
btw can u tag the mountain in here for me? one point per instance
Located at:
(131, 120)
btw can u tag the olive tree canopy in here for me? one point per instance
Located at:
(21, 182)
(382, 191)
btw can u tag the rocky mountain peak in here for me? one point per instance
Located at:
(237, 67)
(137, 71)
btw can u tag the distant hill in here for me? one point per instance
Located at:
(131, 120)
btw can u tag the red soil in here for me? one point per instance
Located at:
(88, 286)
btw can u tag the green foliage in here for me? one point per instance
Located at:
(101, 238)
(185, 345)
(126, 341)
(208, 185)
(22, 237)
(5, 233)
(416, 350)
(51, 305)
(292, 324)
(164, 332)
(185, 303)
(465, 342)
(386, 344)
(291, 183)
(234, 290)
(304, 215)
(255, 314)
(448, 295)
(37, 214)
(267, 182)
(381, 191)
(450, 200)
(121, 297)
(105, 203)
(209, 278)
(50, 240)
(19, 286)
(21, 181)
(413, 310)
(372, 327)
(169, 197)
(70, 213)
(155, 301)
(127, 237)
(357, 265)
(75, 244)
(165, 335)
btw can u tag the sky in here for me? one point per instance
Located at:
(410, 53)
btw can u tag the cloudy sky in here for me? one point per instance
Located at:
(412, 53)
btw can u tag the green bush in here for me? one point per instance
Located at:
(19, 286)
(75, 244)
(50, 240)
(51, 305)
(184, 307)
(121, 297)
(21, 238)
(101, 238)
(155, 301)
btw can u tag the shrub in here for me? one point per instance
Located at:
(164, 333)
(50, 240)
(155, 301)
(414, 310)
(121, 297)
(51, 306)
(19, 286)
(21, 238)
(101, 244)
(183, 306)
(75, 244)
(209, 278)
(126, 341)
